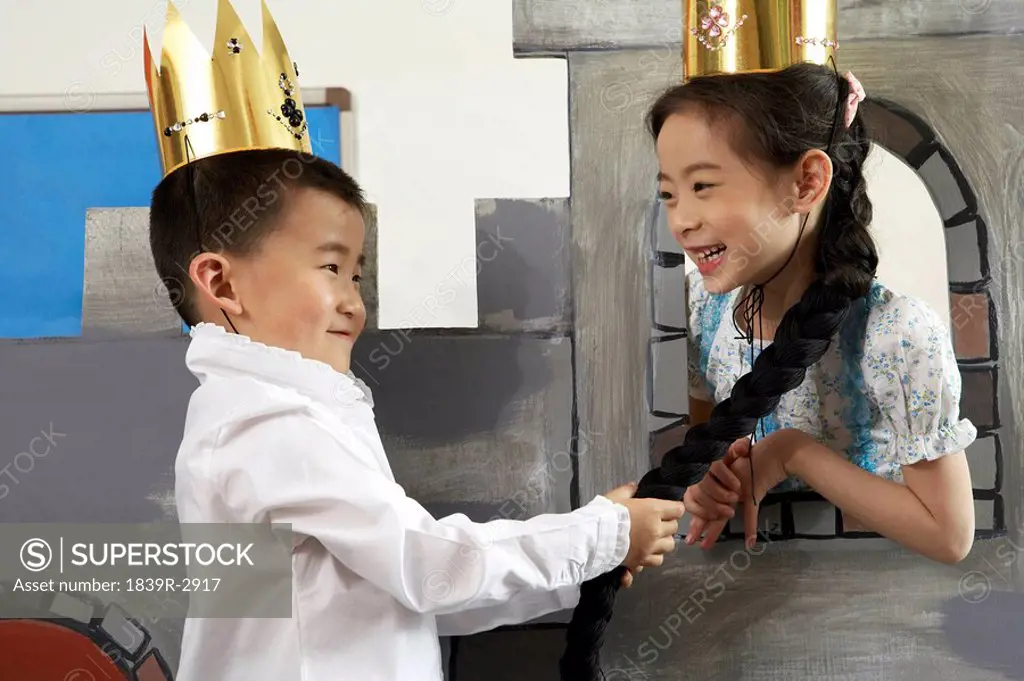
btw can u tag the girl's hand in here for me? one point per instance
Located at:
(712, 501)
(714, 497)
(730, 479)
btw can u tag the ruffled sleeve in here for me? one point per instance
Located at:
(696, 298)
(913, 374)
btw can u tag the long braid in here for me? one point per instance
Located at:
(847, 258)
(846, 266)
(805, 334)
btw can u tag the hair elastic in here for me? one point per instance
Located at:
(856, 96)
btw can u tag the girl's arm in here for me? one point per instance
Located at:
(932, 514)
(911, 372)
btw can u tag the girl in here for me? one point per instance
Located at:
(845, 385)
(873, 425)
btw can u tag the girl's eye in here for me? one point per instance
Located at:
(665, 196)
(332, 268)
(358, 278)
(700, 186)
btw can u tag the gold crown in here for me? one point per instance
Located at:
(746, 36)
(237, 99)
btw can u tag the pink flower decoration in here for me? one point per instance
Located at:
(715, 20)
(714, 30)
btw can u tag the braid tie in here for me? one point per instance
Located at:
(804, 335)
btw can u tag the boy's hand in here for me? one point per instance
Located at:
(652, 526)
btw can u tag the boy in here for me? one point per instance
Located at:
(281, 431)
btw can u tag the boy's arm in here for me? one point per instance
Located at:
(288, 468)
(523, 607)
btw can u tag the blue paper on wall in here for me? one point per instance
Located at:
(54, 167)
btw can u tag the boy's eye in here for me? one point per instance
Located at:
(665, 196)
(332, 268)
(357, 278)
(700, 186)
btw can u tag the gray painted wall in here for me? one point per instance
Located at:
(842, 608)
(557, 26)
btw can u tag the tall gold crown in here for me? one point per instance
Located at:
(746, 36)
(238, 98)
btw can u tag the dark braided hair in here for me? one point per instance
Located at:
(775, 118)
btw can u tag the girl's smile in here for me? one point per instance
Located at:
(707, 258)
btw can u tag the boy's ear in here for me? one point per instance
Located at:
(813, 178)
(211, 274)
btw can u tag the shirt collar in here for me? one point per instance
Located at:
(214, 351)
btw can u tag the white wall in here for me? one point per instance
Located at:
(443, 114)
(908, 231)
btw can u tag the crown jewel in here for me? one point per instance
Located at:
(744, 36)
(238, 98)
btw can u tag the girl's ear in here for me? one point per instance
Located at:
(212, 276)
(813, 178)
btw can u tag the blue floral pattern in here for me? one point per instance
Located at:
(886, 393)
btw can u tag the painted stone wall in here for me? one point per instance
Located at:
(817, 600)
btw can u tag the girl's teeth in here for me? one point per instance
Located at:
(711, 253)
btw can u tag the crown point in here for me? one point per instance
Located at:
(172, 12)
(194, 89)
(231, 33)
(147, 59)
(265, 11)
(273, 43)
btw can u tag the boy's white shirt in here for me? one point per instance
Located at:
(273, 437)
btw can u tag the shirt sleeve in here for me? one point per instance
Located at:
(523, 607)
(695, 300)
(917, 383)
(289, 468)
